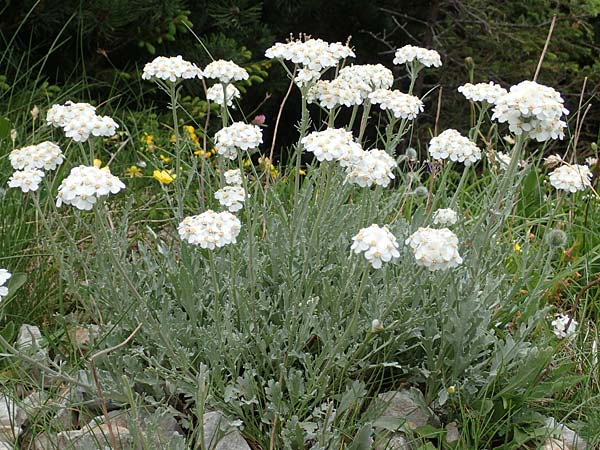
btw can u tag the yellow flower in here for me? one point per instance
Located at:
(302, 172)
(192, 134)
(164, 176)
(97, 163)
(133, 171)
(148, 140)
(165, 159)
(517, 247)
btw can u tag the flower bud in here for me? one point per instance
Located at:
(421, 192)
(556, 238)
(376, 326)
(411, 154)
(470, 63)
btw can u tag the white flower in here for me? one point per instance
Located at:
(171, 69)
(371, 167)
(403, 106)
(445, 216)
(452, 145)
(304, 77)
(85, 184)
(225, 71)
(559, 324)
(45, 155)
(482, 92)
(238, 135)
(533, 109)
(434, 248)
(503, 160)
(4, 276)
(591, 161)
(232, 197)
(376, 326)
(234, 177)
(410, 53)
(571, 178)
(367, 77)
(215, 94)
(333, 144)
(313, 54)
(27, 180)
(553, 161)
(330, 94)
(210, 229)
(378, 244)
(79, 121)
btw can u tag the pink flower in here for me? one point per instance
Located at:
(259, 120)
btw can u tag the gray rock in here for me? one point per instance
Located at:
(565, 435)
(392, 441)
(97, 438)
(407, 404)
(452, 433)
(220, 435)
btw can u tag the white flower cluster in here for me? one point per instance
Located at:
(215, 94)
(45, 155)
(225, 71)
(337, 92)
(4, 277)
(371, 167)
(403, 106)
(410, 53)
(85, 184)
(210, 229)
(452, 145)
(313, 54)
(377, 243)
(233, 177)
(333, 144)
(365, 78)
(79, 121)
(436, 249)
(482, 92)
(232, 197)
(560, 323)
(237, 135)
(27, 180)
(304, 77)
(445, 216)
(171, 69)
(571, 178)
(534, 109)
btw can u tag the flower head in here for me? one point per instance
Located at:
(377, 243)
(232, 197)
(79, 121)
(571, 178)
(365, 78)
(410, 53)
(482, 92)
(210, 229)
(233, 177)
(215, 94)
(27, 180)
(533, 109)
(45, 155)
(333, 144)
(313, 54)
(445, 216)
(171, 69)
(238, 135)
(559, 326)
(164, 176)
(403, 106)
(436, 249)
(330, 94)
(4, 277)
(371, 167)
(225, 71)
(85, 184)
(452, 145)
